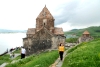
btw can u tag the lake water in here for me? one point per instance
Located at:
(11, 40)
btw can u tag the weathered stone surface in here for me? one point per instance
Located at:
(44, 36)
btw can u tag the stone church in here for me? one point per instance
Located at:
(45, 35)
(85, 37)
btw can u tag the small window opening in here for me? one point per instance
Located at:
(44, 24)
(29, 49)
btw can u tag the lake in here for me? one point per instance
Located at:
(11, 40)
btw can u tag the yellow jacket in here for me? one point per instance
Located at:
(61, 48)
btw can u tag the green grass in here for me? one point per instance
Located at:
(42, 60)
(72, 40)
(17, 51)
(84, 55)
(4, 58)
(18, 57)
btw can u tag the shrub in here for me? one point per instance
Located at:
(72, 40)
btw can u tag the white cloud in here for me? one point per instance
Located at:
(21, 14)
(68, 14)
(66, 26)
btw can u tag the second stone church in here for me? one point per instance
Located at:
(45, 35)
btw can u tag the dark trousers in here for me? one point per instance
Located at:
(22, 56)
(61, 55)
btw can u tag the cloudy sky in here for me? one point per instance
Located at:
(68, 14)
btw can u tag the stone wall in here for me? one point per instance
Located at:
(39, 42)
(56, 40)
(85, 39)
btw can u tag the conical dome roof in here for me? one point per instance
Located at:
(86, 32)
(45, 13)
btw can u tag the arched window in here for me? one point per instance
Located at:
(44, 22)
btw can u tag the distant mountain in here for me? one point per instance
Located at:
(74, 30)
(12, 31)
(93, 30)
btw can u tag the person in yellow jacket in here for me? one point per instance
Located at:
(61, 51)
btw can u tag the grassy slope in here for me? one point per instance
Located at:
(94, 31)
(5, 58)
(84, 55)
(41, 60)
